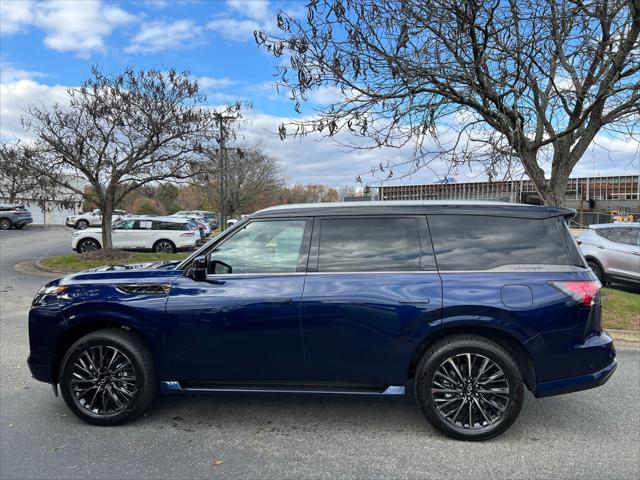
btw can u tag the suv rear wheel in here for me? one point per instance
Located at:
(164, 246)
(469, 387)
(5, 224)
(108, 377)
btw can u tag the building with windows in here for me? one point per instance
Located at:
(593, 194)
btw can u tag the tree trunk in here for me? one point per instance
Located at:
(106, 208)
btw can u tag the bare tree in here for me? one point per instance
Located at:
(16, 176)
(20, 180)
(251, 178)
(121, 132)
(524, 81)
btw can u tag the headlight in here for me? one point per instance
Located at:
(48, 292)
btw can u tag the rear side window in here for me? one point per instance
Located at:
(369, 244)
(159, 225)
(477, 242)
(625, 235)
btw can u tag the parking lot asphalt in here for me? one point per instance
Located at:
(592, 434)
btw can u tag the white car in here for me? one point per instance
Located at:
(92, 219)
(198, 219)
(159, 234)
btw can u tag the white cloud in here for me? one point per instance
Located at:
(17, 95)
(208, 83)
(160, 36)
(256, 9)
(232, 29)
(69, 26)
(15, 16)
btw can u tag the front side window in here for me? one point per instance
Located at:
(126, 225)
(369, 244)
(261, 247)
(479, 242)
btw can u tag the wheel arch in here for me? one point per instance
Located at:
(509, 342)
(77, 331)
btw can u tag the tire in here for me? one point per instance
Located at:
(134, 363)
(5, 224)
(451, 415)
(164, 246)
(597, 269)
(82, 224)
(87, 245)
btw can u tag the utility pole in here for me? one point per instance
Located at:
(223, 154)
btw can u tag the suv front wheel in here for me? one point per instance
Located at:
(469, 387)
(108, 377)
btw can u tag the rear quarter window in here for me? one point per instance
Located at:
(478, 242)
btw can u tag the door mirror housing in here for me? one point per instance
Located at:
(199, 268)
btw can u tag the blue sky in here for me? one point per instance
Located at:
(47, 47)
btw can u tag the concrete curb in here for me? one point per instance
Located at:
(39, 266)
(34, 267)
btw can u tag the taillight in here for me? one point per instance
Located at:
(187, 234)
(583, 292)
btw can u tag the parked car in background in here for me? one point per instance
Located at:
(467, 303)
(12, 215)
(158, 234)
(93, 219)
(210, 217)
(201, 221)
(612, 250)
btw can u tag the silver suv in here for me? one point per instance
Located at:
(612, 250)
(14, 216)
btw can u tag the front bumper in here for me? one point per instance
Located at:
(40, 371)
(22, 221)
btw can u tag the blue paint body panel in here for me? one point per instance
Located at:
(345, 330)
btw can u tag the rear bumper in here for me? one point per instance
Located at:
(593, 363)
(575, 384)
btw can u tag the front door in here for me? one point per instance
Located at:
(242, 325)
(126, 234)
(371, 295)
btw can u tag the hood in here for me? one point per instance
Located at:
(133, 273)
(170, 265)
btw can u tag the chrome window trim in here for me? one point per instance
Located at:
(501, 269)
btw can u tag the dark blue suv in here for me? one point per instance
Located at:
(463, 304)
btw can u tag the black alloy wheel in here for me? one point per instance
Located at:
(164, 246)
(88, 245)
(108, 377)
(469, 387)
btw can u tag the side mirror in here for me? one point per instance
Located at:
(199, 268)
(220, 268)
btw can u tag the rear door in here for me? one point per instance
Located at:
(622, 251)
(371, 294)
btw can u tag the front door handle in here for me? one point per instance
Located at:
(424, 302)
